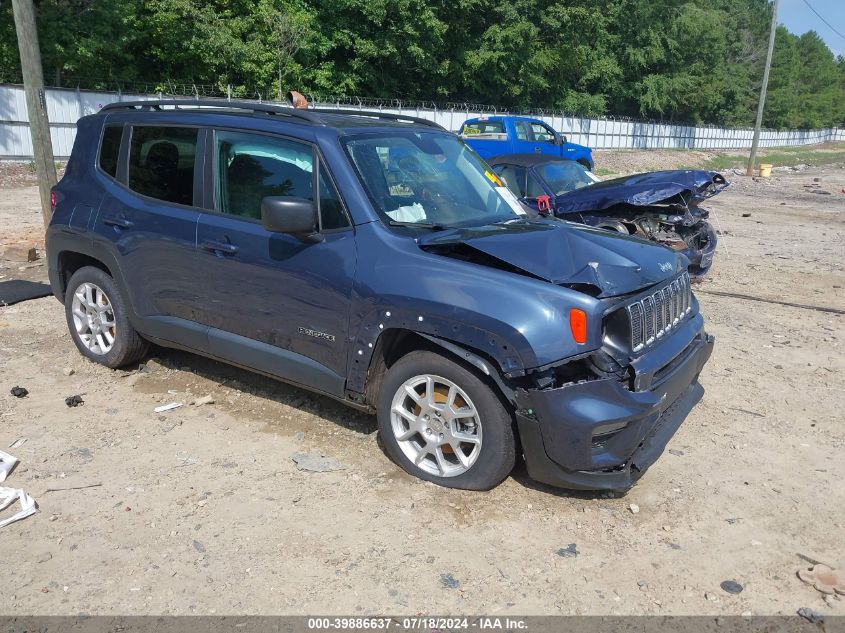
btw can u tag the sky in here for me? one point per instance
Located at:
(797, 17)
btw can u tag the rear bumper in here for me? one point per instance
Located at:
(561, 429)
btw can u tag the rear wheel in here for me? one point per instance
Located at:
(97, 319)
(442, 423)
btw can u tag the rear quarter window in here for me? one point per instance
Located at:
(110, 149)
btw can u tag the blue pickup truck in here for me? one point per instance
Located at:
(497, 135)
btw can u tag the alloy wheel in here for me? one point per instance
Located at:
(436, 425)
(93, 318)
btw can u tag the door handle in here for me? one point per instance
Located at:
(219, 247)
(121, 223)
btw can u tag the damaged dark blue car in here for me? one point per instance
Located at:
(378, 261)
(661, 206)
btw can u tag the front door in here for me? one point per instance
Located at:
(282, 300)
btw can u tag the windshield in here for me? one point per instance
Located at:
(565, 176)
(429, 179)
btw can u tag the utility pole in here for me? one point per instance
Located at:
(36, 101)
(752, 160)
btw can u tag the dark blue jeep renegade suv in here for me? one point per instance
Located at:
(377, 260)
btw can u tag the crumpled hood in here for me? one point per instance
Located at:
(563, 253)
(676, 186)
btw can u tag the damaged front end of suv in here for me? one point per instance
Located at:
(660, 206)
(602, 413)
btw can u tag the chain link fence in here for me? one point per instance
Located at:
(66, 105)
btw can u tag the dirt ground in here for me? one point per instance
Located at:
(202, 509)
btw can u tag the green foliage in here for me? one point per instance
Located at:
(676, 60)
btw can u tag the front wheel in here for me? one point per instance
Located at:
(442, 423)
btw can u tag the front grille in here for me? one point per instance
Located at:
(651, 317)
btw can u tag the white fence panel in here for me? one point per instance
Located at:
(65, 107)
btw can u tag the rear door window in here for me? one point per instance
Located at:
(110, 149)
(161, 163)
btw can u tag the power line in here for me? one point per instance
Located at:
(823, 20)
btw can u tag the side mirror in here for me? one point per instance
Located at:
(295, 216)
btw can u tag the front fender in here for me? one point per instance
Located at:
(441, 331)
(518, 321)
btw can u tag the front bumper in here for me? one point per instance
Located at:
(558, 426)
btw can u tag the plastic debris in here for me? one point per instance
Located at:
(8, 496)
(813, 617)
(74, 401)
(168, 407)
(18, 442)
(449, 581)
(7, 464)
(570, 551)
(19, 392)
(314, 462)
(822, 578)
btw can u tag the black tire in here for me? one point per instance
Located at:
(128, 346)
(497, 454)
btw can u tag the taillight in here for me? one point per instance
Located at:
(578, 325)
(52, 201)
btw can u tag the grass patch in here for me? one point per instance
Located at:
(603, 171)
(782, 157)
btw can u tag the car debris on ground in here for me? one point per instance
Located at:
(7, 465)
(570, 551)
(168, 407)
(317, 463)
(74, 401)
(9, 495)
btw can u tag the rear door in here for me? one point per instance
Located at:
(149, 218)
(285, 300)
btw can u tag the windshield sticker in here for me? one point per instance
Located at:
(511, 199)
(493, 178)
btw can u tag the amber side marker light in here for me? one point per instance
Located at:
(578, 325)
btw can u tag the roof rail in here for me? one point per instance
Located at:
(310, 115)
(266, 108)
(389, 116)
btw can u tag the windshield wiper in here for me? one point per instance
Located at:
(513, 221)
(421, 225)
